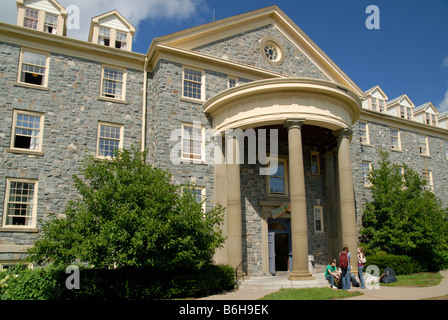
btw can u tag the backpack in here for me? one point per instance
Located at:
(388, 276)
(343, 260)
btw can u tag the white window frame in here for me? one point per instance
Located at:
(102, 37)
(121, 38)
(51, 24)
(99, 137)
(22, 62)
(315, 153)
(427, 176)
(34, 20)
(366, 173)
(8, 202)
(423, 145)
(190, 154)
(123, 83)
(392, 146)
(366, 139)
(318, 214)
(39, 137)
(202, 84)
(284, 177)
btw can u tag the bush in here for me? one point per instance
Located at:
(402, 265)
(123, 284)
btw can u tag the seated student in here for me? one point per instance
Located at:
(331, 273)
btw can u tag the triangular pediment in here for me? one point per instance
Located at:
(240, 40)
(51, 6)
(377, 92)
(427, 107)
(401, 100)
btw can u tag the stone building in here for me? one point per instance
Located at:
(252, 85)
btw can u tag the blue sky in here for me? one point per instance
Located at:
(407, 55)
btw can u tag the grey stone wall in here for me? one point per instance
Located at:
(245, 48)
(72, 111)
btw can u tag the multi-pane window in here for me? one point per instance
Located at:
(427, 176)
(27, 131)
(232, 82)
(363, 132)
(366, 168)
(51, 23)
(33, 68)
(423, 145)
(31, 18)
(277, 181)
(120, 41)
(20, 203)
(110, 138)
(318, 219)
(104, 36)
(315, 162)
(192, 141)
(394, 139)
(113, 83)
(192, 84)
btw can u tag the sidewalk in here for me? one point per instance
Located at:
(383, 293)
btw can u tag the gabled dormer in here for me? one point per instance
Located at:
(43, 15)
(427, 114)
(443, 121)
(112, 30)
(375, 99)
(401, 107)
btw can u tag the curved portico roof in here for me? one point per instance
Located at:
(272, 101)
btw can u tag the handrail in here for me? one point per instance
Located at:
(237, 278)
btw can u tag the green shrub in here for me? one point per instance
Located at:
(402, 265)
(108, 284)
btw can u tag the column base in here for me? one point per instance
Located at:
(300, 275)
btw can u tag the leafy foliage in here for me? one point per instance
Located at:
(403, 218)
(128, 213)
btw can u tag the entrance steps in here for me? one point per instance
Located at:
(280, 281)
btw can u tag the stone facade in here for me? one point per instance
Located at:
(72, 109)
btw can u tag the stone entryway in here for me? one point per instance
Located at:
(279, 245)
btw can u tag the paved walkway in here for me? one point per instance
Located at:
(383, 293)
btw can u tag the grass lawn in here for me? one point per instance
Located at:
(310, 294)
(416, 280)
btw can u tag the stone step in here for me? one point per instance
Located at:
(281, 281)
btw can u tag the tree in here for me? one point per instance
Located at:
(127, 213)
(405, 219)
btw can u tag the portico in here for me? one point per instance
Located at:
(293, 104)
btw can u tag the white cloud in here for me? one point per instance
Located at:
(445, 62)
(444, 104)
(133, 10)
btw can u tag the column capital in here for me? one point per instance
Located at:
(343, 133)
(294, 123)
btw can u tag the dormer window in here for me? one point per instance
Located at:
(112, 30)
(51, 23)
(120, 42)
(31, 18)
(104, 36)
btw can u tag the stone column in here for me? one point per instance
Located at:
(347, 197)
(234, 223)
(331, 212)
(299, 228)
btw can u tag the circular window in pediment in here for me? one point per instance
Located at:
(271, 51)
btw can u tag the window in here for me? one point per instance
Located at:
(427, 176)
(363, 132)
(315, 162)
(271, 51)
(110, 138)
(51, 23)
(318, 219)
(423, 145)
(113, 83)
(33, 68)
(277, 182)
(232, 82)
(375, 104)
(120, 41)
(394, 139)
(20, 203)
(31, 18)
(27, 130)
(104, 36)
(366, 169)
(192, 84)
(192, 141)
